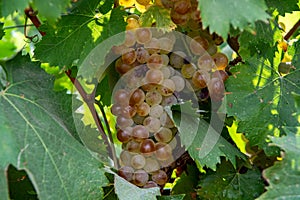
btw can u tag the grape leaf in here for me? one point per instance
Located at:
(36, 138)
(50, 9)
(2, 33)
(3, 184)
(172, 197)
(283, 6)
(159, 15)
(230, 183)
(76, 35)
(204, 144)
(284, 176)
(218, 15)
(261, 99)
(126, 190)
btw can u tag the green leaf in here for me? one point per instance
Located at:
(284, 176)
(36, 138)
(159, 15)
(3, 184)
(10, 6)
(172, 197)
(219, 15)
(106, 6)
(230, 183)
(204, 144)
(187, 183)
(126, 190)
(262, 100)
(283, 6)
(2, 33)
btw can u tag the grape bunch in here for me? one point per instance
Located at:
(155, 73)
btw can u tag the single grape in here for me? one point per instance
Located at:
(156, 111)
(143, 2)
(212, 48)
(140, 177)
(179, 18)
(167, 87)
(121, 97)
(138, 119)
(132, 22)
(203, 94)
(122, 67)
(133, 146)
(198, 45)
(125, 158)
(177, 59)
(166, 45)
(126, 3)
(124, 135)
(124, 122)
(143, 35)
(163, 151)
(138, 161)
(179, 83)
(129, 38)
(153, 98)
(182, 6)
(150, 184)
(205, 63)
(128, 111)
(160, 177)
(152, 124)
(199, 80)
(155, 61)
(165, 60)
(149, 87)
(164, 135)
(154, 76)
(137, 97)
(151, 165)
(147, 147)
(153, 46)
(221, 75)
(142, 55)
(166, 121)
(166, 72)
(216, 89)
(143, 109)
(220, 60)
(128, 56)
(284, 67)
(188, 70)
(116, 109)
(126, 172)
(140, 133)
(118, 49)
(169, 101)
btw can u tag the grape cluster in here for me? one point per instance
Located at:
(154, 74)
(140, 5)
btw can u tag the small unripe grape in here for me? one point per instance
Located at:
(163, 135)
(140, 177)
(143, 109)
(156, 111)
(163, 151)
(152, 124)
(199, 80)
(128, 56)
(140, 133)
(220, 60)
(153, 98)
(126, 172)
(147, 147)
(198, 45)
(142, 55)
(124, 135)
(143, 35)
(138, 161)
(179, 83)
(155, 61)
(137, 97)
(154, 76)
(160, 177)
(150, 184)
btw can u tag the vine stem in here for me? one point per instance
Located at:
(90, 100)
(291, 32)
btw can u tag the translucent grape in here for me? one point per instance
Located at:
(205, 63)
(137, 97)
(138, 161)
(129, 38)
(124, 135)
(126, 172)
(199, 80)
(124, 122)
(151, 165)
(129, 56)
(143, 35)
(198, 45)
(122, 67)
(152, 124)
(167, 87)
(154, 76)
(163, 151)
(164, 135)
(156, 111)
(140, 133)
(182, 6)
(166, 121)
(155, 61)
(142, 55)
(147, 147)
(140, 177)
(160, 177)
(153, 98)
(133, 146)
(220, 60)
(179, 83)
(153, 46)
(177, 59)
(143, 109)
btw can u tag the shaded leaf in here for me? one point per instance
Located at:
(2, 33)
(159, 15)
(204, 144)
(259, 87)
(36, 138)
(3, 184)
(126, 190)
(230, 183)
(10, 6)
(283, 6)
(284, 176)
(218, 15)
(172, 197)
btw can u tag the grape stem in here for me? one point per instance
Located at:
(291, 32)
